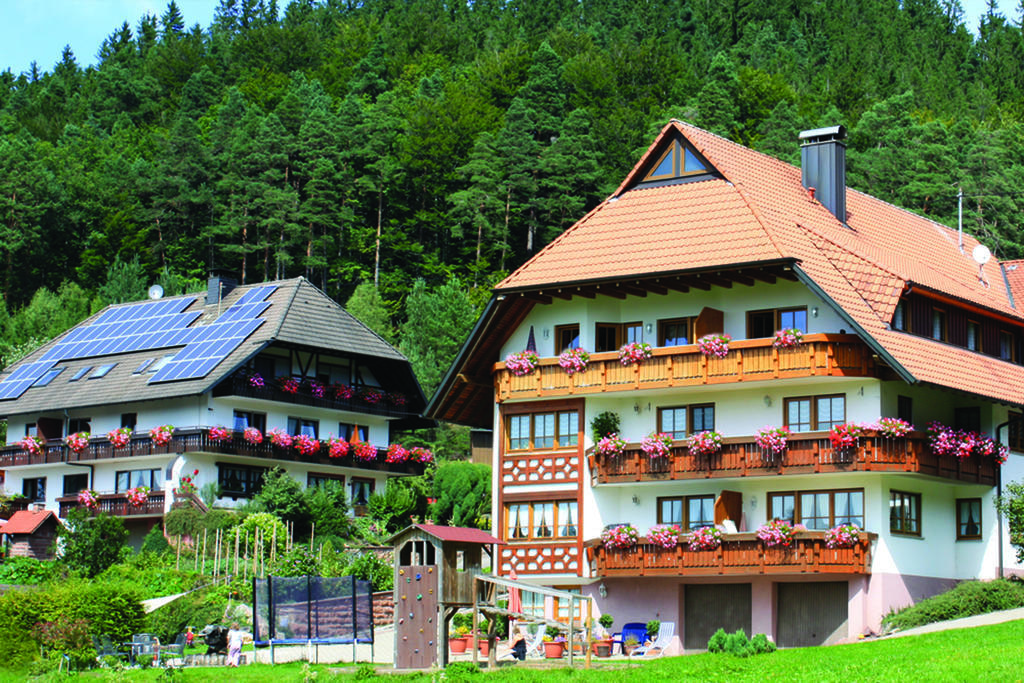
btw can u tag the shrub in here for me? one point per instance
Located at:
(371, 568)
(737, 644)
(457, 671)
(272, 532)
(298, 561)
(653, 626)
(604, 424)
(91, 544)
(28, 571)
(716, 643)
(761, 645)
(186, 521)
(154, 542)
(966, 599)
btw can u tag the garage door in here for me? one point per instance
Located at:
(708, 608)
(811, 613)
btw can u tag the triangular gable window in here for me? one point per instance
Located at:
(678, 160)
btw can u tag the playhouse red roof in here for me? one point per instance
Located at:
(459, 534)
(27, 521)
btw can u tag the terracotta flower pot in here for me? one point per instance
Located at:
(485, 647)
(457, 645)
(603, 648)
(553, 650)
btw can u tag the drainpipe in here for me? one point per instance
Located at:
(999, 496)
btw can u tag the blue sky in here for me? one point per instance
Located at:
(39, 29)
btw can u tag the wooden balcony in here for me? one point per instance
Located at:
(239, 385)
(117, 504)
(739, 554)
(749, 360)
(193, 441)
(805, 454)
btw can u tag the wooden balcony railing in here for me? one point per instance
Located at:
(240, 386)
(193, 441)
(805, 453)
(739, 554)
(117, 504)
(681, 366)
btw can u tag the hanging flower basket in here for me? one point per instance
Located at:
(219, 434)
(397, 453)
(574, 360)
(364, 451)
(714, 345)
(842, 536)
(161, 436)
(87, 498)
(772, 440)
(372, 396)
(306, 444)
(280, 438)
(420, 454)
(253, 436)
(256, 381)
(845, 436)
(892, 427)
(342, 392)
(289, 385)
(789, 338)
(33, 445)
(778, 533)
(657, 444)
(664, 535)
(315, 389)
(963, 444)
(705, 538)
(704, 443)
(610, 446)
(187, 484)
(119, 438)
(77, 442)
(138, 496)
(337, 448)
(522, 364)
(620, 536)
(635, 352)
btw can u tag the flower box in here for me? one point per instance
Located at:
(522, 363)
(714, 345)
(635, 352)
(553, 650)
(573, 361)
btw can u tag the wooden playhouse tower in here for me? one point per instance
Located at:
(434, 570)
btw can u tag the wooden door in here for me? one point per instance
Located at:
(416, 617)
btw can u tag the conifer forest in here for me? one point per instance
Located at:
(395, 141)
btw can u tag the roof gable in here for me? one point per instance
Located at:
(27, 521)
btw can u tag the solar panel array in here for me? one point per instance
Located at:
(153, 325)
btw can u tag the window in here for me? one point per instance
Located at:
(353, 432)
(814, 413)
(73, 483)
(765, 323)
(102, 371)
(361, 490)
(561, 606)
(905, 408)
(689, 512)
(543, 431)
(541, 520)
(47, 377)
(968, 518)
(973, 334)
(899, 316)
(1006, 350)
(611, 336)
(967, 419)
(905, 513)
(78, 424)
(566, 337)
(142, 366)
(675, 332)
(819, 510)
(320, 478)
(239, 481)
(683, 420)
(129, 479)
(1016, 431)
(34, 489)
(245, 419)
(938, 324)
(160, 363)
(677, 160)
(297, 426)
(80, 373)
(129, 420)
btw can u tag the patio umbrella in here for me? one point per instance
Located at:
(515, 601)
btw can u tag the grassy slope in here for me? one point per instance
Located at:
(990, 653)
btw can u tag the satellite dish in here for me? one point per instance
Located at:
(981, 254)
(156, 291)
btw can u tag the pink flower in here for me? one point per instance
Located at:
(634, 352)
(664, 535)
(704, 443)
(161, 436)
(522, 363)
(337, 448)
(253, 436)
(657, 444)
(705, 538)
(364, 451)
(778, 533)
(611, 446)
(714, 345)
(772, 439)
(306, 444)
(220, 434)
(119, 437)
(620, 536)
(87, 499)
(279, 437)
(574, 360)
(420, 454)
(77, 442)
(789, 338)
(397, 453)
(842, 536)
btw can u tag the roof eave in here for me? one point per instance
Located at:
(460, 360)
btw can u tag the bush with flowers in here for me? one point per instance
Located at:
(280, 438)
(705, 538)
(397, 453)
(342, 392)
(252, 436)
(187, 483)
(522, 363)
(219, 434)
(364, 451)
(119, 438)
(288, 384)
(635, 352)
(772, 440)
(77, 442)
(256, 381)
(620, 536)
(778, 533)
(842, 536)
(315, 389)
(161, 436)
(892, 427)
(704, 443)
(306, 444)
(845, 436)
(87, 498)
(421, 454)
(574, 360)
(337, 448)
(657, 444)
(372, 396)
(138, 495)
(963, 444)
(714, 345)
(664, 535)
(788, 338)
(32, 445)
(611, 446)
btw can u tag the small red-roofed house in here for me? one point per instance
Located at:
(31, 533)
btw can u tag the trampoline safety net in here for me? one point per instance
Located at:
(300, 609)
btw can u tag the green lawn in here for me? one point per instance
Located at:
(989, 653)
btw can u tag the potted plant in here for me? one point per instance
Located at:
(457, 639)
(630, 644)
(554, 643)
(604, 424)
(603, 647)
(653, 626)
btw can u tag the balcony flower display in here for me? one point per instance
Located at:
(315, 389)
(522, 364)
(306, 444)
(337, 448)
(397, 399)
(77, 442)
(620, 536)
(397, 453)
(187, 484)
(656, 444)
(288, 385)
(253, 436)
(963, 444)
(256, 381)
(119, 438)
(219, 434)
(342, 392)
(778, 533)
(842, 536)
(611, 446)
(788, 338)
(364, 451)
(714, 345)
(87, 499)
(372, 396)
(33, 445)
(705, 538)
(420, 454)
(845, 436)
(892, 427)
(772, 440)
(574, 360)
(664, 535)
(137, 496)
(161, 436)
(280, 438)
(705, 443)
(634, 352)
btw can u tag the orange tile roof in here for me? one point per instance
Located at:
(760, 211)
(26, 521)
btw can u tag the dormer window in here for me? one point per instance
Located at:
(938, 324)
(678, 160)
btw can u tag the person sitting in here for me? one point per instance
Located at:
(518, 644)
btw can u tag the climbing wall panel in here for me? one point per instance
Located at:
(416, 617)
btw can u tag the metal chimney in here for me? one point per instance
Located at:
(218, 286)
(823, 167)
